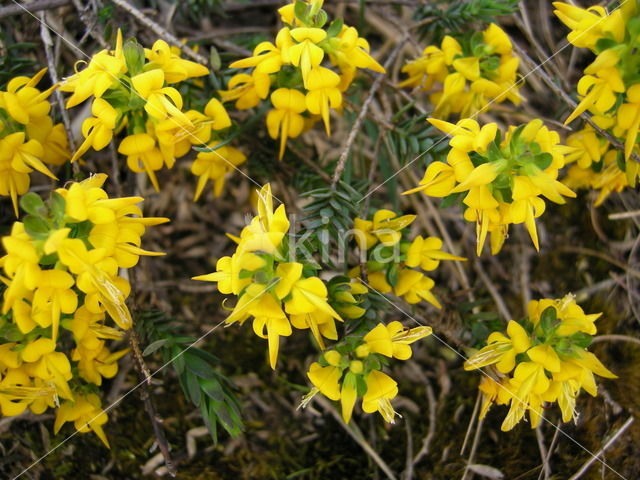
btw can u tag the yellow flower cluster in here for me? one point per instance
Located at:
(133, 89)
(466, 76)
(278, 294)
(291, 72)
(28, 137)
(609, 90)
(354, 370)
(62, 284)
(543, 359)
(394, 263)
(504, 180)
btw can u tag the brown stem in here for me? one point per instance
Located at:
(159, 30)
(145, 395)
(32, 7)
(342, 161)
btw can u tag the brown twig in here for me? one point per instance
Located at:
(145, 395)
(624, 215)
(426, 442)
(617, 434)
(472, 420)
(544, 453)
(53, 74)
(91, 22)
(474, 449)
(600, 255)
(342, 161)
(616, 338)
(32, 7)
(547, 458)
(160, 31)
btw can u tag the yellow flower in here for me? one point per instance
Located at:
(96, 363)
(414, 286)
(384, 228)
(531, 382)
(268, 228)
(586, 24)
(247, 90)
(162, 102)
(269, 315)
(228, 270)
(438, 180)
(628, 117)
(17, 394)
(320, 323)
(307, 296)
(392, 340)
(285, 121)
(142, 155)
(431, 67)
(86, 200)
(97, 130)
(352, 51)
(526, 206)
(86, 413)
(380, 390)
(53, 139)
(467, 135)
(598, 92)
(175, 69)
(53, 297)
(325, 379)
(121, 238)
(23, 102)
(96, 277)
(495, 37)
(268, 58)
(104, 71)
(18, 158)
(588, 147)
(323, 94)
(214, 166)
(89, 330)
(306, 54)
(501, 350)
(426, 253)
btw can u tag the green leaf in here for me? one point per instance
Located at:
(321, 19)
(548, 320)
(214, 59)
(154, 346)
(581, 339)
(335, 27)
(193, 388)
(36, 227)
(301, 11)
(213, 389)
(178, 359)
(32, 204)
(197, 365)
(208, 415)
(133, 57)
(543, 160)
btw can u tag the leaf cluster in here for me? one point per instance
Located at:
(443, 17)
(328, 219)
(203, 385)
(12, 61)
